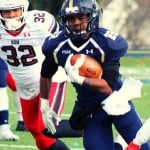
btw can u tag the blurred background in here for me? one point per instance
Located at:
(130, 18)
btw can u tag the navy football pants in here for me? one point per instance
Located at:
(98, 131)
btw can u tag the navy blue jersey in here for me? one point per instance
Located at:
(3, 74)
(104, 46)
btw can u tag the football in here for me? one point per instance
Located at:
(89, 68)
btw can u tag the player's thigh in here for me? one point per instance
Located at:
(29, 91)
(98, 134)
(128, 124)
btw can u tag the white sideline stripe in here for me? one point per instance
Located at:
(27, 147)
(19, 146)
(63, 115)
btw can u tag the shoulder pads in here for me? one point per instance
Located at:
(117, 45)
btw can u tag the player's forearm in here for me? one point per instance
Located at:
(45, 87)
(99, 85)
(143, 135)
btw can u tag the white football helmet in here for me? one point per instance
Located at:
(13, 24)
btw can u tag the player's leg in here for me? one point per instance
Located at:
(5, 132)
(119, 142)
(128, 125)
(11, 84)
(98, 132)
(32, 117)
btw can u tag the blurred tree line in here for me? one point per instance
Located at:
(53, 6)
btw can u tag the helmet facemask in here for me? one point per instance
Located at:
(12, 24)
(15, 23)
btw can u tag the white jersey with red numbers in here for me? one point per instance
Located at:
(22, 52)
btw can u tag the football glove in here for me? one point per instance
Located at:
(133, 146)
(131, 88)
(73, 70)
(113, 105)
(117, 102)
(49, 116)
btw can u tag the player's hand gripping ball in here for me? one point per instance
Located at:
(88, 67)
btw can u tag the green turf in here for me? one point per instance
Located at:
(135, 62)
(142, 105)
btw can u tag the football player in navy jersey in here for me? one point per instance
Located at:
(5, 131)
(81, 34)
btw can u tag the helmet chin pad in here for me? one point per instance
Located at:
(13, 24)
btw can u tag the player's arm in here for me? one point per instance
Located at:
(117, 102)
(49, 67)
(44, 87)
(108, 80)
(104, 85)
(99, 85)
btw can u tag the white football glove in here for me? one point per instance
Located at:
(73, 70)
(131, 88)
(48, 116)
(117, 102)
(115, 105)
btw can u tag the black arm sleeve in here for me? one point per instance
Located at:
(111, 72)
(49, 67)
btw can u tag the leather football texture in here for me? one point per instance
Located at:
(88, 67)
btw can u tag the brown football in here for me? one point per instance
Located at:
(90, 67)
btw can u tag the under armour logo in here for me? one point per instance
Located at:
(90, 116)
(89, 51)
(27, 34)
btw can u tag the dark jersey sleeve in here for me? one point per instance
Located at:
(49, 67)
(116, 49)
(111, 72)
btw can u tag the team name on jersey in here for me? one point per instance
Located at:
(66, 51)
(14, 42)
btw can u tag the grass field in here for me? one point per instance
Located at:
(135, 67)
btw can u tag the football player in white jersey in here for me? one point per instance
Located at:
(142, 136)
(22, 34)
